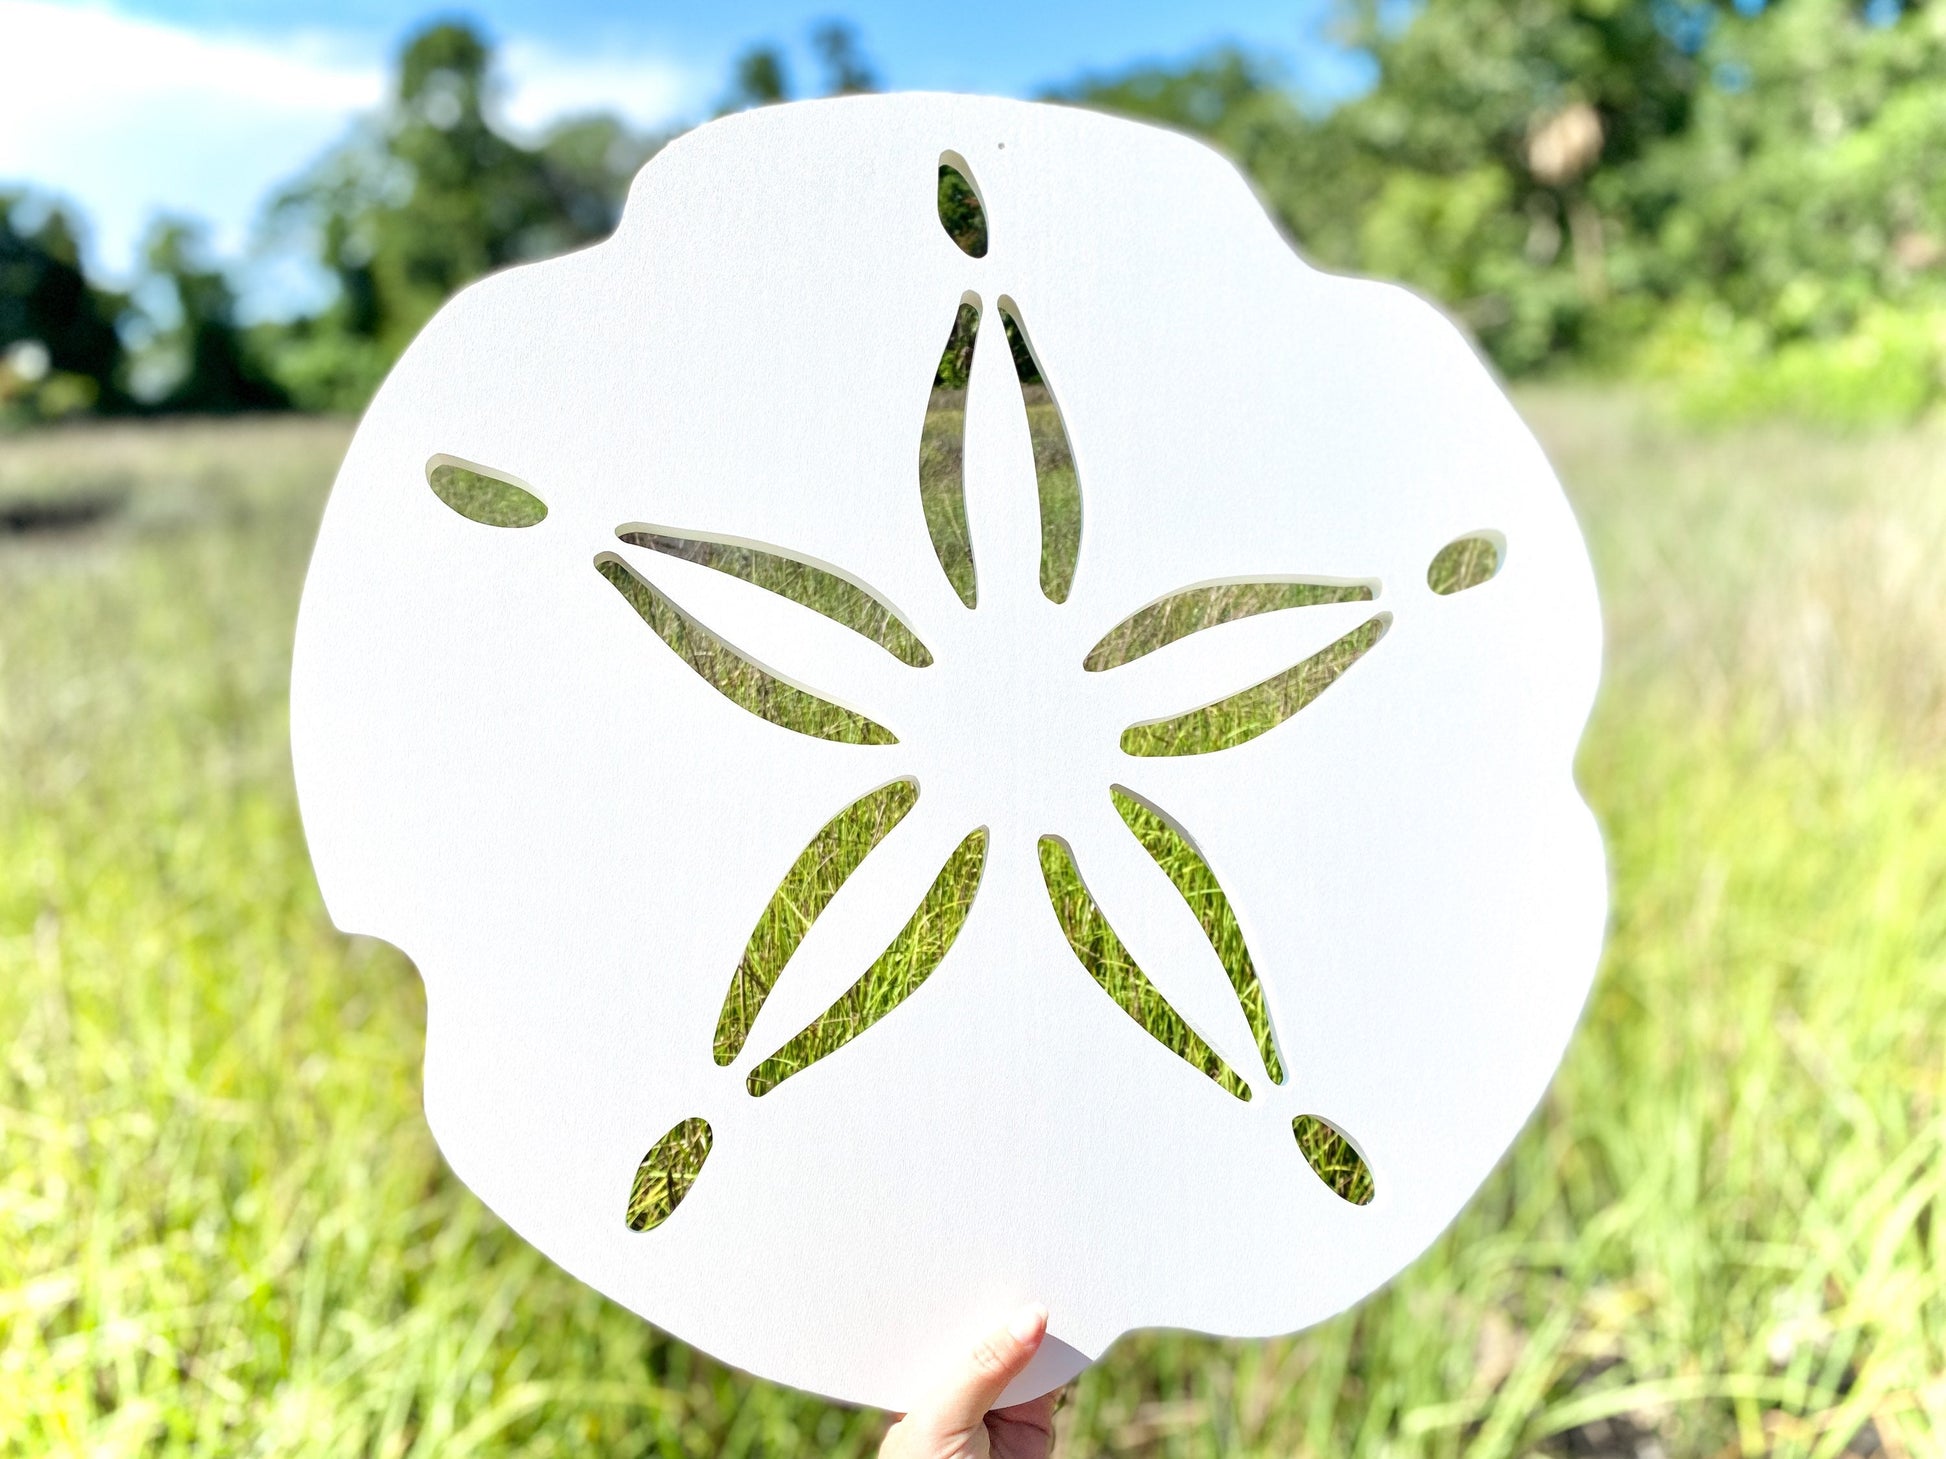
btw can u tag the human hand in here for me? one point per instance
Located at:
(960, 1421)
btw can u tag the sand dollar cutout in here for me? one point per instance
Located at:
(508, 773)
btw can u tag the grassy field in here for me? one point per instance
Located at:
(223, 1227)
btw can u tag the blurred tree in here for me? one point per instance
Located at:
(429, 197)
(846, 71)
(59, 349)
(1676, 185)
(1467, 169)
(1805, 207)
(1210, 94)
(203, 361)
(757, 78)
(587, 163)
(1743, 194)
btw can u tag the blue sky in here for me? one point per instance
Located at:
(202, 107)
(1009, 46)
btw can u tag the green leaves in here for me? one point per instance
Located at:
(1761, 217)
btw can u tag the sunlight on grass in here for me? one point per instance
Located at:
(224, 1227)
(484, 499)
(906, 963)
(1182, 864)
(666, 1174)
(735, 677)
(808, 887)
(1099, 950)
(1331, 1155)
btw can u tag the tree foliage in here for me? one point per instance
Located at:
(59, 349)
(1744, 195)
(430, 196)
(204, 361)
(1741, 195)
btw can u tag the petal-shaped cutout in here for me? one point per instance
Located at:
(1466, 563)
(817, 588)
(1168, 942)
(736, 678)
(961, 212)
(1195, 672)
(1194, 609)
(898, 973)
(1186, 869)
(667, 1172)
(1335, 1159)
(789, 644)
(1002, 490)
(942, 455)
(807, 889)
(480, 494)
(1102, 953)
(858, 922)
(1058, 485)
(1257, 710)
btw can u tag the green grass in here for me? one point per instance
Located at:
(224, 1228)
(485, 499)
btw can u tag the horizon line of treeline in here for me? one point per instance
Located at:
(1741, 193)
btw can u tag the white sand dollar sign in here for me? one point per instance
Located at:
(509, 774)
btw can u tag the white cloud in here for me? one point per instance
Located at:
(127, 116)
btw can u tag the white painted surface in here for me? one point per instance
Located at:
(507, 774)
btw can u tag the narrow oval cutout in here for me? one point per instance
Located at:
(667, 1172)
(822, 592)
(480, 496)
(1259, 709)
(1462, 564)
(1333, 1157)
(1191, 875)
(733, 676)
(1181, 614)
(1054, 473)
(1026, 367)
(961, 213)
(942, 456)
(825, 865)
(898, 973)
(1107, 961)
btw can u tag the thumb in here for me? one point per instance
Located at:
(959, 1409)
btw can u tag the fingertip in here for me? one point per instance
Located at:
(1000, 1358)
(1028, 1325)
(960, 1407)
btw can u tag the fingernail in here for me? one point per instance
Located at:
(1026, 1324)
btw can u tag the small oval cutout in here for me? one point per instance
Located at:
(480, 496)
(1336, 1162)
(1464, 563)
(667, 1172)
(960, 211)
